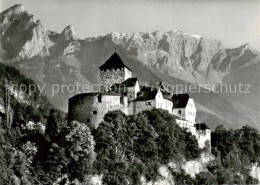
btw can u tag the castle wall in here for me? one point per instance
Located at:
(162, 103)
(180, 112)
(128, 74)
(91, 110)
(112, 100)
(79, 109)
(190, 111)
(132, 92)
(131, 108)
(203, 136)
(144, 105)
(185, 124)
(108, 77)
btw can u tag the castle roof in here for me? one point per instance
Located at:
(147, 93)
(180, 100)
(130, 82)
(201, 126)
(113, 62)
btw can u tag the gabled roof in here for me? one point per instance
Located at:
(201, 126)
(130, 82)
(113, 62)
(180, 100)
(147, 88)
(166, 95)
(146, 95)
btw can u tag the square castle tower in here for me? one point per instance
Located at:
(113, 71)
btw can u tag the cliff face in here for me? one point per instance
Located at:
(52, 58)
(22, 36)
(174, 53)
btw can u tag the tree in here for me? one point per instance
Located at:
(206, 178)
(78, 143)
(52, 125)
(224, 176)
(56, 163)
(6, 161)
(192, 148)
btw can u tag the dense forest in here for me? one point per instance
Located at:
(38, 146)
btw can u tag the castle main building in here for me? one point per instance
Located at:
(120, 91)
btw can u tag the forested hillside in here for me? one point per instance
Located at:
(38, 147)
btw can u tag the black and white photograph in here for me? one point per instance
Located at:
(129, 92)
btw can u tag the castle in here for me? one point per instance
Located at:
(120, 91)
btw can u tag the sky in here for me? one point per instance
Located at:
(234, 22)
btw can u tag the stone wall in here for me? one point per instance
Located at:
(203, 136)
(132, 92)
(109, 77)
(176, 112)
(131, 95)
(131, 108)
(144, 105)
(91, 109)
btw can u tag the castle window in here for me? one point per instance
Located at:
(179, 112)
(94, 112)
(121, 100)
(148, 103)
(99, 98)
(87, 120)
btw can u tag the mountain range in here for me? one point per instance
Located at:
(175, 57)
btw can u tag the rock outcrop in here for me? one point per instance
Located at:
(22, 36)
(68, 33)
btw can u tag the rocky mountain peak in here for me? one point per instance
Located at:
(16, 9)
(22, 36)
(8, 16)
(68, 33)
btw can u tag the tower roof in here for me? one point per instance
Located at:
(114, 62)
(130, 82)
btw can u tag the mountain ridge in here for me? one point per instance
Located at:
(52, 58)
